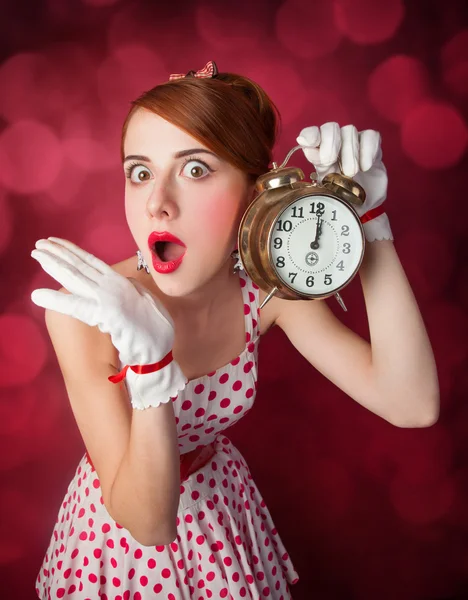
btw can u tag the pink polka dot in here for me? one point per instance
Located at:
(249, 393)
(209, 430)
(194, 438)
(238, 409)
(242, 282)
(199, 388)
(97, 553)
(235, 361)
(157, 588)
(195, 495)
(61, 592)
(237, 385)
(166, 573)
(223, 593)
(151, 563)
(228, 561)
(266, 591)
(223, 378)
(210, 576)
(105, 528)
(96, 483)
(248, 366)
(200, 539)
(144, 580)
(186, 405)
(246, 309)
(199, 412)
(92, 578)
(212, 417)
(212, 395)
(225, 402)
(224, 420)
(251, 347)
(188, 518)
(116, 581)
(83, 536)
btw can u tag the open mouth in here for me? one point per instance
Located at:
(168, 251)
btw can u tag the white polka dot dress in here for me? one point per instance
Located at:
(227, 545)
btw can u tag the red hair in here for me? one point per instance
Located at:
(229, 114)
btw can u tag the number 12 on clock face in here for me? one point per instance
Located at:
(316, 245)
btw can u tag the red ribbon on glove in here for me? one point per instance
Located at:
(209, 70)
(372, 214)
(141, 369)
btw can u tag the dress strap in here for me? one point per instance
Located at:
(250, 293)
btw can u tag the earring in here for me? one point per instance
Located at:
(141, 262)
(238, 266)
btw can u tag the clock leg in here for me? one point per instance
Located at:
(340, 302)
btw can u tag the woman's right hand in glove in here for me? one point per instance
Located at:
(140, 327)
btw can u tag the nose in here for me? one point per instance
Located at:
(161, 203)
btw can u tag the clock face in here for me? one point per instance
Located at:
(316, 245)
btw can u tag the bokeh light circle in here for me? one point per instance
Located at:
(125, 74)
(23, 350)
(24, 75)
(111, 242)
(368, 22)
(434, 135)
(224, 25)
(30, 157)
(300, 41)
(454, 59)
(397, 85)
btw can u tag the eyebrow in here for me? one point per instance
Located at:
(176, 155)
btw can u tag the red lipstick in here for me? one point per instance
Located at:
(160, 265)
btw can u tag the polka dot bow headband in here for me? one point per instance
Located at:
(209, 70)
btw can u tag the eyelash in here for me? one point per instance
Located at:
(131, 166)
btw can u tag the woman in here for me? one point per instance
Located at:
(162, 504)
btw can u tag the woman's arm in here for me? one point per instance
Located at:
(395, 376)
(402, 357)
(135, 453)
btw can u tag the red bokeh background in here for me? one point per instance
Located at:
(367, 511)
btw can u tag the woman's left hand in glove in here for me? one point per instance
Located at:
(332, 149)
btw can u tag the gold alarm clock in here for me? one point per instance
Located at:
(299, 240)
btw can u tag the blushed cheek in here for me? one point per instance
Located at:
(221, 219)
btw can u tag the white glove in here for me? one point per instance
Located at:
(140, 327)
(361, 158)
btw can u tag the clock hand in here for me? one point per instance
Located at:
(315, 245)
